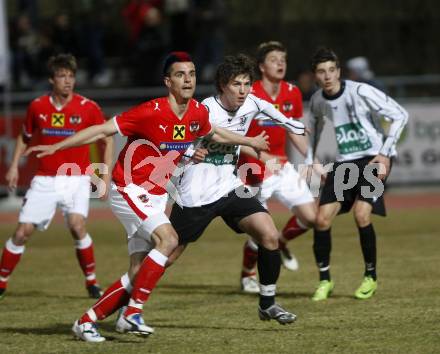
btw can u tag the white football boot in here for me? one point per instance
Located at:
(87, 332)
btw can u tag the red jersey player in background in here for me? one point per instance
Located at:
(53, 117)
(284, 184)
(159, 132)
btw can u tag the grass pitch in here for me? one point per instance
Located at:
(198, 308)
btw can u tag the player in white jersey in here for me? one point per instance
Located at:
(211, 188)
(362, 165)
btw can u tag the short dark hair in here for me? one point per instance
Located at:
(174, 57)
(61, 61)
(232, 66)
(322, 55)
(267, 47)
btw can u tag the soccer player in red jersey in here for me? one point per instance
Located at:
(159, 133)
(53, 117)
(285, 184)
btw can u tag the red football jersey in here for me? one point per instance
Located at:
(157, 138)
(289, 102)
(52, 124)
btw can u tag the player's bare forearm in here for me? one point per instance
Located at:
(12, 173)
(249, 151)
(83, 137)
(108, 152)
(90, 135)
(20, 148)
(225, 136)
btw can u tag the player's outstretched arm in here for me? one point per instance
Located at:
(83, 137)
(224, 136)
(291, 125)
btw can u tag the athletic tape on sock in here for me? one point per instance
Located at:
(92, 315)
(125, 281)
(11, 247)
(268, 290)
(158, 257)
(252, 245)
(86, 242)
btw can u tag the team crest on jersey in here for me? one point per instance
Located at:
(57, 120)
(194, 126)
(178, 132)
(243, 120)
(143, 198)
(75, 120)
(287, 106)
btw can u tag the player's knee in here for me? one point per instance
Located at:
(22, 234)
(308, 220)
(362, 218)
(323, 222)
(170, 242)
(270, 240)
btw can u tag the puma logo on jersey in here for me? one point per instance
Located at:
(163, 127)
(43, 117)
(156, 107)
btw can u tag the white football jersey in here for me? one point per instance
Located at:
(356, 113)
(206, 182)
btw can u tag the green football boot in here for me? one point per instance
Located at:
(324, 290)
(367, 288)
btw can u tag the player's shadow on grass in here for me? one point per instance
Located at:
(308, 295)
(221, 289)
(66, 329)
(41, 294)
(56, 328)
(217, 289)
(276, 327)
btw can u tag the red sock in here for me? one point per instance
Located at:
(114, 297)
(86, 259)
(147, 277)
(10, 257)
(292, 230)
(250, 255)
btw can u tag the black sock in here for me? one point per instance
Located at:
(269, 263)
(322, 245)
(368, 244)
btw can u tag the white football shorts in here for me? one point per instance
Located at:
(140, 212)
(288, 187)
(70, 193)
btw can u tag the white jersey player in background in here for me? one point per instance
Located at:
(355, 110)
(212, 188)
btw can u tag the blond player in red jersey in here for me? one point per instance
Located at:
(54, 117)
(159, 133)
(284, 183)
